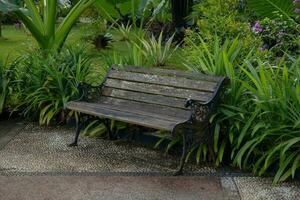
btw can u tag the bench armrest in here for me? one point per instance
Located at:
(199, 112)
(88, 92)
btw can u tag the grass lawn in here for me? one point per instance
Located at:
(15, 42)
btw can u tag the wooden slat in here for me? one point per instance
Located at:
(144, 97)
(147, 121)
(140, 108)
(157, 89)
(177, 82)
(175, 73)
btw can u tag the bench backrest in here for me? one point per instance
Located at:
(167, 88)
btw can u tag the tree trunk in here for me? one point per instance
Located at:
(180, 11)
(1, 16)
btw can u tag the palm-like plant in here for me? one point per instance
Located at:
(129, 9)
(42, 25)
(271, 8)
(45, 83)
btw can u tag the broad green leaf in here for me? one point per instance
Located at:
(295, 165)
(269, 8)
(216, 136)
(283, 167)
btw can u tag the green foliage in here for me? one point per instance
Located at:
(280, 36)
(272, 137)
(135, 58)
(258, 118)
(5, 84)
(218, 60)
(225, 19)
(144, 51)
(45, 84)
(1, 18)
(97, 32)
(180, 12)
(97, 129)
(42, 25)
(157, 53)
(133, 10)
(125, 31)
(270, 8)
(130, 34)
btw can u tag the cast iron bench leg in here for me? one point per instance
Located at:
(183, 156)
(79, 125)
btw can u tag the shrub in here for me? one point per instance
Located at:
(279, 35)
(257, 122)
(144, 51)
(225, 19)
(271, 134)
(222, 60)
(5, 83)
(157, 53)
(136, 57)
(46, 82)
(98, 33)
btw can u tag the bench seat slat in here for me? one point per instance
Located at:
(161, 90)
(167, 72)
(144, 97)
(178, 82)
(142, 119)
(140, 108)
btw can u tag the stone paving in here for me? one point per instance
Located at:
(47, 151)
(35, 163)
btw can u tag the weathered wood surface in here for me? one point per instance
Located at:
(151, 109)
(144, 97)
(139, 119)
(158, 89)
(177, 82)
(174, 73)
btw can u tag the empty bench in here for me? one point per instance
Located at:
(175, 101)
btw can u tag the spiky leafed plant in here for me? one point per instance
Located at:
(134, 10)
(271, 135)
(42, 23)
(156, 52)
(46, 83)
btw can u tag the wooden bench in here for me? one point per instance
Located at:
(175, 101)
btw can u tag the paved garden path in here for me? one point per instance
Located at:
(35, 163)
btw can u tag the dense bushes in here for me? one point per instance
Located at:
(257, 123)
(270, 135)
(43, 83)
(258, 119)
(5, 81)
(279, 36)
(225, 19)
